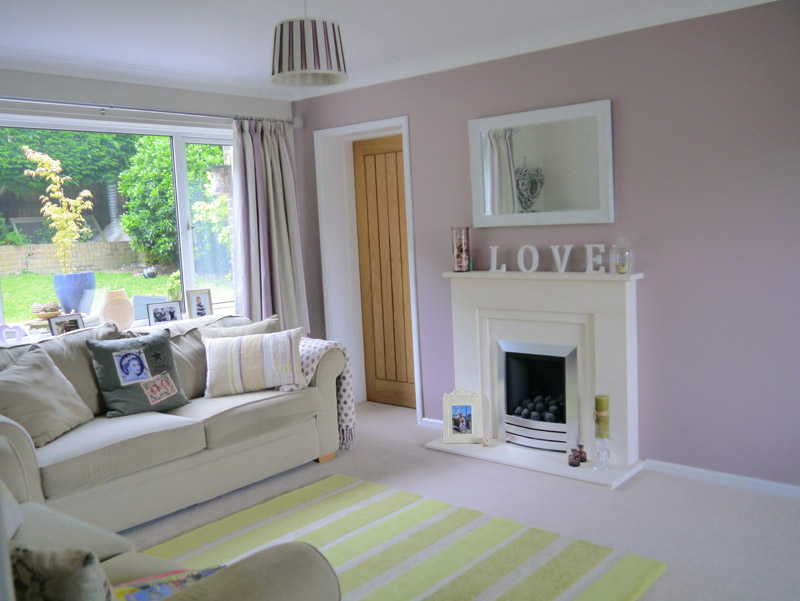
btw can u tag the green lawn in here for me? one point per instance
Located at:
(21, 291)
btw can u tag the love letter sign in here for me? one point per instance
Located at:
(528, 258)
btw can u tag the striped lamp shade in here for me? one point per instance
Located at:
(308, 52)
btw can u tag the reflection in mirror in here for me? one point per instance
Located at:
(543, 167)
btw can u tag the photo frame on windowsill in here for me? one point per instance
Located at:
(462, 417)
(61, 324)
(198, 302)
(164, 312)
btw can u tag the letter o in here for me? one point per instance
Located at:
(521, 259)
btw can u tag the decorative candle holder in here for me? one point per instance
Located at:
(621, 258)
(461, 260)
(602, 431)
(602, 453)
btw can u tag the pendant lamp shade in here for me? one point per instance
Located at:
(308, 52)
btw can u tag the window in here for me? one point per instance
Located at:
(159, 221)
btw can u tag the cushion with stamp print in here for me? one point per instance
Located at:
(137, 374)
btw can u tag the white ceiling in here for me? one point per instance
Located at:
(216, 46)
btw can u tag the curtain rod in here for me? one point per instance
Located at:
(296, 122)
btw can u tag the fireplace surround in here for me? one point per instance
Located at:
(592, 313)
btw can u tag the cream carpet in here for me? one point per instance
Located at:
(720, 543)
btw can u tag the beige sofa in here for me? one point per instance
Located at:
(286, 572)
(119, 472)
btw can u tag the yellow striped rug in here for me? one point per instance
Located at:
(391, 545)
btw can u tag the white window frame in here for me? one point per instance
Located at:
(209, 131)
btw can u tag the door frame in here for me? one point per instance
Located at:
(341, 282)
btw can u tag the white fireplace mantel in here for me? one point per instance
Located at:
(594, 312)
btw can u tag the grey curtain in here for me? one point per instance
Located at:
(268, 263)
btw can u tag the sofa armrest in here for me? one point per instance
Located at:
(330, 366)
(288, 572)
(18, 466)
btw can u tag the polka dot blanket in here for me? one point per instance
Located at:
(311, 351)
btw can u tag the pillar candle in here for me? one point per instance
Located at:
(601, 422)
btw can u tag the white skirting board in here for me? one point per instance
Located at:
(733, 480)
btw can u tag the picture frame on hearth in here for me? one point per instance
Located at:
(462, 417)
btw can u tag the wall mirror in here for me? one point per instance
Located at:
(544, 167)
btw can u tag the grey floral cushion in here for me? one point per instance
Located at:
(58, 575)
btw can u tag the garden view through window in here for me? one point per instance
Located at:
(147, 214)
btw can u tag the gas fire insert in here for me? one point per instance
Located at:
(540, 408)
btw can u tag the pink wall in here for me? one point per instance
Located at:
(706, 127)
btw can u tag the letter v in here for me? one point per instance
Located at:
(561, 264)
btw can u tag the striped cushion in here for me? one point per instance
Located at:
(255, 362)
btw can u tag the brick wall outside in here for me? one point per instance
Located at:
(90, 256)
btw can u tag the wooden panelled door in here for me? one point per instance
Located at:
(383, 265)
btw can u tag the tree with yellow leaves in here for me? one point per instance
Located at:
(65, 214)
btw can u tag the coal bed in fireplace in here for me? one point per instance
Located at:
(540, 398)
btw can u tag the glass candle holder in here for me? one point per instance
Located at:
(621, 258)
(461, 259)
(602, 454)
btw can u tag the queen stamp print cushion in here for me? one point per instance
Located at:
(131, 367)
(137, 374)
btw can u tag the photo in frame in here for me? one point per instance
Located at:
(164, 312)
(461, 417)
(61, 324)
(198, 302)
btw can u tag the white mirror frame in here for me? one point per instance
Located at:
(478, 136)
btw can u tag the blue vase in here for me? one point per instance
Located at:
(75, 291)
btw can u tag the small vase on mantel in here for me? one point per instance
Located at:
(461, 257)
(621, 257)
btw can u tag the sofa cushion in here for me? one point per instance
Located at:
(184, 325)
(39, 397)
(103, 449)
(257, 362)
(266, 326)
(232, 418)
(58, 575)
(188, 351)
(71, 356)
(46, 527)
(10, 515)
(190, 359)
(137, 374)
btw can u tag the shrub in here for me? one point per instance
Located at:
(9, 236)
(149, 214)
